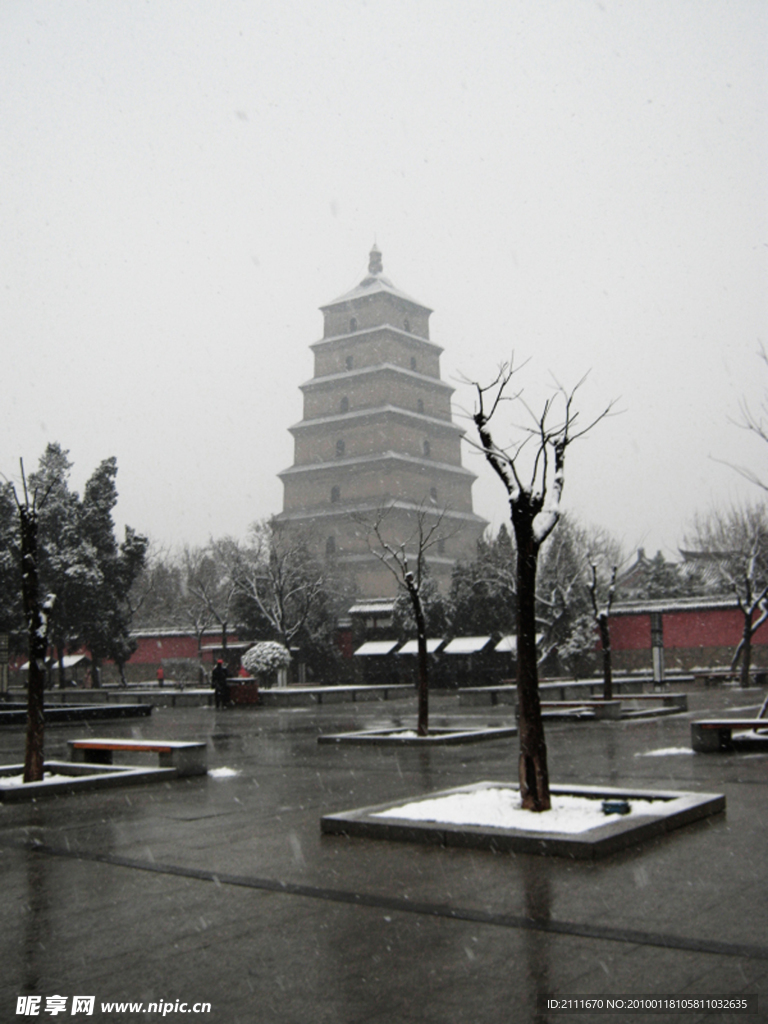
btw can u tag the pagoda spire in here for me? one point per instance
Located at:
(375, 265)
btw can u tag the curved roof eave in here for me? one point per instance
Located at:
(334, 378)
(376, 411)
(374, 285)
(370, 460)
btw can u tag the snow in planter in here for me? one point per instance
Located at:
(501, 808)
(10, 781)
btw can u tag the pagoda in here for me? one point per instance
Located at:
(377, 437)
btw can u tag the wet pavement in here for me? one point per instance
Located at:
(222, 890)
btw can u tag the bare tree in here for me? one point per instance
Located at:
(406, 560)
(756, 423)
(737, 544)
(602, 611)
(211, 583)
(534, 485)
(191, 610)
(277, 574)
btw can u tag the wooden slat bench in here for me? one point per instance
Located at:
(188, 758)
(716, 734)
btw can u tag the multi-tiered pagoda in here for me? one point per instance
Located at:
(377, 434)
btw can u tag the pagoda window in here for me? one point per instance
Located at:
(340, 447)
(353, 324)
(420, 405)
(413, 362)
(407, 325)
(441, 546)
(427, 449)
(348, 362)
(335, 493)
(330, 546)
(344, 404)
(433, 493)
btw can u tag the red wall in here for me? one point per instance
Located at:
(630, 632)
(152, 649)
(721, 627)
(714, 627)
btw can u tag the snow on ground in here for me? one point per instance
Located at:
(9, 781)
(222, 773)
(500, 808)
(664, 752)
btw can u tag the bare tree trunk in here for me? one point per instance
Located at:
(33, 757)
(746, 651)
(62, 679)
(422, 728)
(533, 773)
(605, 640)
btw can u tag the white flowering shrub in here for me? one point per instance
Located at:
(266, 657)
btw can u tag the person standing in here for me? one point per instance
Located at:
(220, 687)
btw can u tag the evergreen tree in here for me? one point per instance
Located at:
(84, 572)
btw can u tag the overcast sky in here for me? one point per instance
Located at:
(185, 183)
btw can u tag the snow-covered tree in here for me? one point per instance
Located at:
(67, 561)
(11, 614)
(736, 546)
(265, 659)
(532, 471)
(210, 585)
(107, 612)
(86, 574)
(37, 631)
(281, 587)
(407, 561)
(483, 594)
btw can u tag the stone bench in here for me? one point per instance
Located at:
(187, 758)
(712, 735)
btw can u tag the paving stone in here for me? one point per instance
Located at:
(223, 889)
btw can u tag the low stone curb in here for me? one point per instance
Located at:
(436, 737)
(678, 808)
(82, 777)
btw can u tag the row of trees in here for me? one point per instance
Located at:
(272, 587)
(268, 587)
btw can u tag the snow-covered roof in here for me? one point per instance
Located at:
(412, 646)
(675, 604)
(467, 645)
(508, 644)
(377, 647)
(69, 660)
(376, 606)
(238, 645)
(372, 283)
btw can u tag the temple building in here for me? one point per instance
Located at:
(377, 441)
